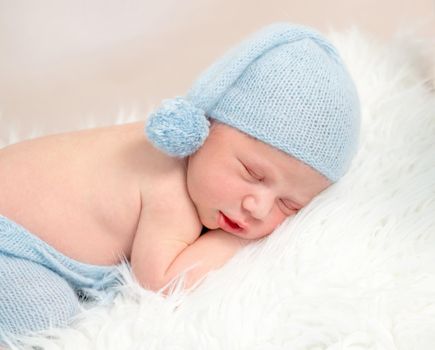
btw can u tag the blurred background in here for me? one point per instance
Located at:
(64, 62)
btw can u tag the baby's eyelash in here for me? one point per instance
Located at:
(254, 175)
(290, 207)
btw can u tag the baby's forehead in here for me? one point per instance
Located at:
(224, 132)
(243, 141)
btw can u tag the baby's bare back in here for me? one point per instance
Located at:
(81, 192)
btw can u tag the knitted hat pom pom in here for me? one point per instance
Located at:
(177, 127)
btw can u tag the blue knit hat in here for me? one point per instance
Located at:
(286, 85)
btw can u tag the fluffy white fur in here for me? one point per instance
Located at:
(354, 270)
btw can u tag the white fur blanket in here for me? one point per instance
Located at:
(354, 270)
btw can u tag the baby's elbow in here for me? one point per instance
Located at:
(156, 285)
(147, 280)
(152, 283)
(163, 285)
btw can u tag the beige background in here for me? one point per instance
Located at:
(63, 62)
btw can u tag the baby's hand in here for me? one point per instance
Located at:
(231, 237)
(208, 252)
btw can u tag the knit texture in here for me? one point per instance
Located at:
(32, 298)
(286, 86)
(39, 286)
(178, 120)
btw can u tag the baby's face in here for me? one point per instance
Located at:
(245, 186)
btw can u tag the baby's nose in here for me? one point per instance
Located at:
(259, 204)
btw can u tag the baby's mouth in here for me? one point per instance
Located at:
(230, 224)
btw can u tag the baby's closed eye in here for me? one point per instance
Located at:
(285, 205)
(288, 207)
(252, 173)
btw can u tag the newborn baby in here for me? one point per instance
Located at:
(262, 132)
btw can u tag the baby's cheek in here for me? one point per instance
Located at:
(278, 218)
(224, 184)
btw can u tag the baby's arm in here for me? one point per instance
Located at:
(209, 252)
(167, 242)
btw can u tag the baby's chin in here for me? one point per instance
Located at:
(208, 222)
(210, 226)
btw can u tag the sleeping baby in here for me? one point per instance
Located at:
(261, 132)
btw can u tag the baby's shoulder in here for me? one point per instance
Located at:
(168, 189)
(168, 201)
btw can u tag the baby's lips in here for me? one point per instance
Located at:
(238, 223)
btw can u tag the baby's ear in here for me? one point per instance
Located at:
(213, 122)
